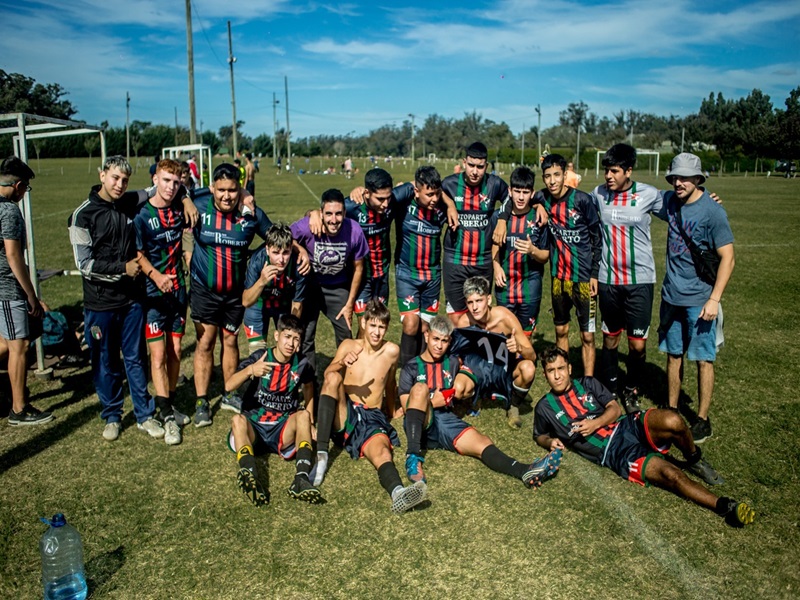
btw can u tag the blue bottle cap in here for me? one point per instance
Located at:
(58, 520)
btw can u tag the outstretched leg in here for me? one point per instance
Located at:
(379, 452)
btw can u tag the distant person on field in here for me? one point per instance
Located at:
(192, 162)
(18, 299)
(153, 166)
(571, 178)
(250, 174)
(691, 313)
(581, 414)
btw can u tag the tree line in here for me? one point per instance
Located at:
(741, 132)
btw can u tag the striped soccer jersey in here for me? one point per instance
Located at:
(158, 237)
(419, 231)
(518, 267)
(279, 392)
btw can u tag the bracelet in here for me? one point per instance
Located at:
(252, 372)
(151, 272)
(714, 299)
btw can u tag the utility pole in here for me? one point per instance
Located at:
(539, 133)
(231, 60)
(176, 125)
(522, 153)
(128, 126)
(190, 61)
(412, 137)
(274, 129)
(288, 129)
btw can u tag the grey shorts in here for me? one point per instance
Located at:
(14, 319)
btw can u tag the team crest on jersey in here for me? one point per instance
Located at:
(574, 214)
(588, 401)
(484, 201)
(448, 378)
(295, 377)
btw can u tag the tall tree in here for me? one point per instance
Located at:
(574, 117)
(19, 93)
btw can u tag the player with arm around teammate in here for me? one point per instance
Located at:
(272, 419)
(430, 386)
(358, 392)
(582, 414)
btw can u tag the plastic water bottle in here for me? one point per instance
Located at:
(62, 561)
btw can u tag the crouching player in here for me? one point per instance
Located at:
(429, 386)
(271, 419)
(583, 415)
(358, 392)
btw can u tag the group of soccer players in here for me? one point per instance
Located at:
(336, 261)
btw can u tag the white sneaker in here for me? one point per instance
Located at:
(172, 433)
(111, 431)
(152, 427)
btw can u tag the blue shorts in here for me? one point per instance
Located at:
(683, 331)
(166, 314)
(372, 288)
(362, 425)
(269, 430)
(492, 381)
(256, 322)
(630, 448)
(443, 431)
(415, 296)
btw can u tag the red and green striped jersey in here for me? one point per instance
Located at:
(436, 375)
(279, 392)
(158, 236)
(627, 257)
(586, 399)
(219, 260)
(575, 244)
(518, 267)
(471, 243)
(376, 228)
(418, 232)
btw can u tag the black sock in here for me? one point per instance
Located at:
(325, 413)
(246, 459)
(610, 361)
(172, 396)
(493, 458)
(408, 348)
(635, 363)
(722, 506)
(518, 396)
(304, 459)
(415, 422)
(695, 457)
(389, 477)
(164, 407)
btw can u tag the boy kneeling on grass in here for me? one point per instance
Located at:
(271, 419)
(583, 415)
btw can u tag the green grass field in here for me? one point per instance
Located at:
(169, 522)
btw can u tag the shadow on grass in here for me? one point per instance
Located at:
(53, 434)
(101, 569)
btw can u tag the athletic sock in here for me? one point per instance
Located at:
(172, 395)
(164, 407)
(723, 504)
(326, 411)
(610, 367)
(695, 457)
(408, 348)
(415, 421)
(518, 396)
(303, 462)
(497, 461)
(636, 364)
(389, 477)
(246, 459)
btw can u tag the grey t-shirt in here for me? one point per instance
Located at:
(12, 227)
(707, 224)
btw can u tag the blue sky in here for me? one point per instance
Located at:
(353, 66)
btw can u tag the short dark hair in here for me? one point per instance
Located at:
(551, 354)
(331, 195)
(279, 236)
(377, 310)
(226, 171)
(552, 160)
(428, 176)
(620, 155)
(237, 162)
(477, 150)
(523, 178)
(377, 179)
(249, 156)
(290, 322)
(13, 167)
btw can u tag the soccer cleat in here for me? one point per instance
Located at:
(414, 468)
(232, 402)
(408, 497)
(701, 430)
(252, 487)
(202, 414)
(514, 420)
(706, 472)
(180, 418)
(739, 514)
(111, 431)
(151, 427)
(543, 469)
(630, 401)
(29, 415)
(172, 433)
(303, 489)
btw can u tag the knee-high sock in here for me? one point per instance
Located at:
(610, 361)
(493, 458)
(415, 422)
(325, 414)
(389, 477)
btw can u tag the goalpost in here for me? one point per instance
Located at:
(639, 153)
